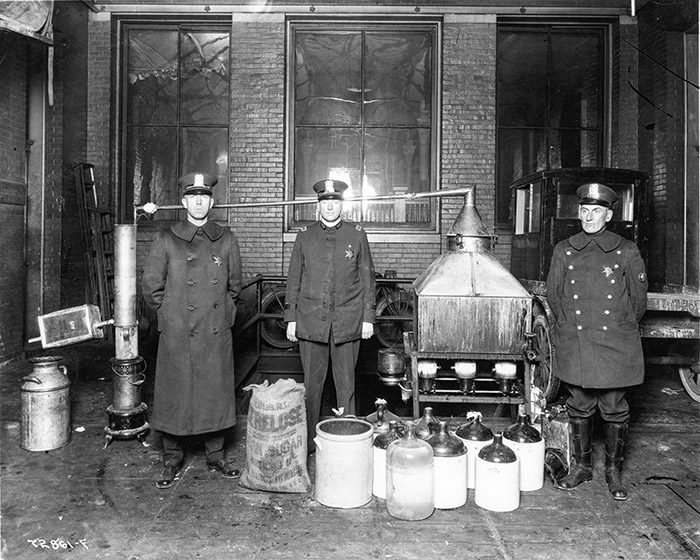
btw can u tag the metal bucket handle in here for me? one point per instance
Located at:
(140, 381)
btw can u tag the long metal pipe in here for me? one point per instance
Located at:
(126, 326)
(151, 208)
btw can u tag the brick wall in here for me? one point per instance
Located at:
(257, 139)
(99, 99)
(469, 118)
(70, 26)
(625, 104)
(13, 192)
(661, 131)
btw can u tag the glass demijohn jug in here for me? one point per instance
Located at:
(410, 472)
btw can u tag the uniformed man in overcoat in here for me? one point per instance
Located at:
(597, 290)
(330, 301)
(192, 279)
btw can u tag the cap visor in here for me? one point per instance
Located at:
(198, 191)
(594, 202)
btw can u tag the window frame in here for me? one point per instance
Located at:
(604, 27)
(123, 24)
(387, 231)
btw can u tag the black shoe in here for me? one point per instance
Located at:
(168, 477)
(578, 475)
(224, 468)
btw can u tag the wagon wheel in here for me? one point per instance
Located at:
(274, 331)
(543, 351)
(690, 377)
(393, 303)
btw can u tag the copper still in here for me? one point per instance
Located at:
(471, 323)
(465, 290)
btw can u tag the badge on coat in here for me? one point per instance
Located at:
(607, 271)
(349, 253)
(218, 261)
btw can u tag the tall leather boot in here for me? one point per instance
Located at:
(582, 471)
(615, 439)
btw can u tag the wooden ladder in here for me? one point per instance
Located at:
(97, 224)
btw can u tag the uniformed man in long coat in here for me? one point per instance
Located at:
(192, 278)
(330, 301)
(597, 289)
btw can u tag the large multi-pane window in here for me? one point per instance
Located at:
(362, 110)
(550, 102)
(176, 111)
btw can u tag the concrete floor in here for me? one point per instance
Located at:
(83, 501)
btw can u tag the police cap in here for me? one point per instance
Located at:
(330, 189)
(596, 193)
(197, 183)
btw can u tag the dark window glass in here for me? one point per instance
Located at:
(522, 79)
(363, 112)
(176, 113)
(549, 102)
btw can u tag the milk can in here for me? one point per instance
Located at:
(381, 442)
(528, 444)
(45, 406)
(450, 468)
(475, 436)
(426, 423)
(497, 477)
(410, 472)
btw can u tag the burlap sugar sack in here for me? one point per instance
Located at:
(276, 438)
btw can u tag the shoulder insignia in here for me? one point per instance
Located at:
(358, 227)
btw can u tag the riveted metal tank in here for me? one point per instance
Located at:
(468, 302)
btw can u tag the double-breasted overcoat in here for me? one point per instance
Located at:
(331, 283)
(597, 290)
(192, 278)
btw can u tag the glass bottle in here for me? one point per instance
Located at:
(410, 485)
(426, 423)
(381, 443)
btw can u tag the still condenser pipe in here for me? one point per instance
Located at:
(127, 414)
(126, 345)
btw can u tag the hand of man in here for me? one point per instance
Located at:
(367, 330)
(292, 331)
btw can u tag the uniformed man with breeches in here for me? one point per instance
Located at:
(330, 301)
(597, 290)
